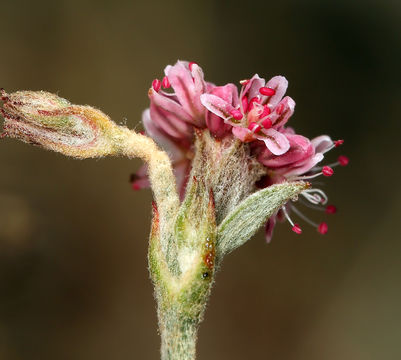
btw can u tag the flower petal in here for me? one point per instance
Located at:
(181, 172)
(300, 150)
(275, 141)
(169, 104)
(282, 112)
(322, 143)
(217, 126)
(215, 123)
(251, 89)
(228, 92)
(161, 138)
(199, 82)
(269, 227)
(188, 89)
(279, 84)
(217, 106)
(244, 134)
(305, 167)
(140, 179)
(170, 123)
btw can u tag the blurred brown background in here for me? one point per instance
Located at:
(73, 235)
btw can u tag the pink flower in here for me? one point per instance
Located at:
(301, 157)
(259, 114)
(299, 162)
(216, 124)
(172, 116)
(177, 112)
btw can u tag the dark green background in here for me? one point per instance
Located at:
(73, 236)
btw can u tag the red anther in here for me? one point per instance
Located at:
(136, 187)
(279, 109)
(331, 209)
(190, 65)
(266, 111)
(254, 127)
(236, 114)
(327, 171)
(337, 143)
(244, 82)
(323, 228)
(142, 132)
(3, 135)
(251, 102)
(297, 229)
(267, 123)
(165, 82)
(267, 91)
(156, 85)
(343, 160)
(244, 101)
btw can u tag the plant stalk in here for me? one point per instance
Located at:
(178, 335)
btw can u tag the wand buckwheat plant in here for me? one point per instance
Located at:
(220, 165)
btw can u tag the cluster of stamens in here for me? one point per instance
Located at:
(315, 198)
(247, 105)
(165, 83)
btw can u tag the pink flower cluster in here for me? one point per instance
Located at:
(257, 115)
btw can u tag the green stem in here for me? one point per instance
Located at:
(178, 335)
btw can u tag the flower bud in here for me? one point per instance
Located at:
(47, 120)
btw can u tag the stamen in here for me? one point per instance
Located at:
(337, 143)
(236, 114)
(295, 227)
(254, 127)
(136, 187)
(267, 123)
(331, 209)
(343, 160)
(307, 177)
(251, 103)
(315, 196)
(311, 206)
(244, 82)
(327, 171)
(166, 83)
(266, 111)
(323, 228)
(334, 144)
(267, 91)
(303, 217)
(156, 84)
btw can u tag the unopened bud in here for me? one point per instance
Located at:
(47, 120)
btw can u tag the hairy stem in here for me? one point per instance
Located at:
(160, 170)
(178, 335)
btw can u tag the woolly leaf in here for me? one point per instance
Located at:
(244, 220)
